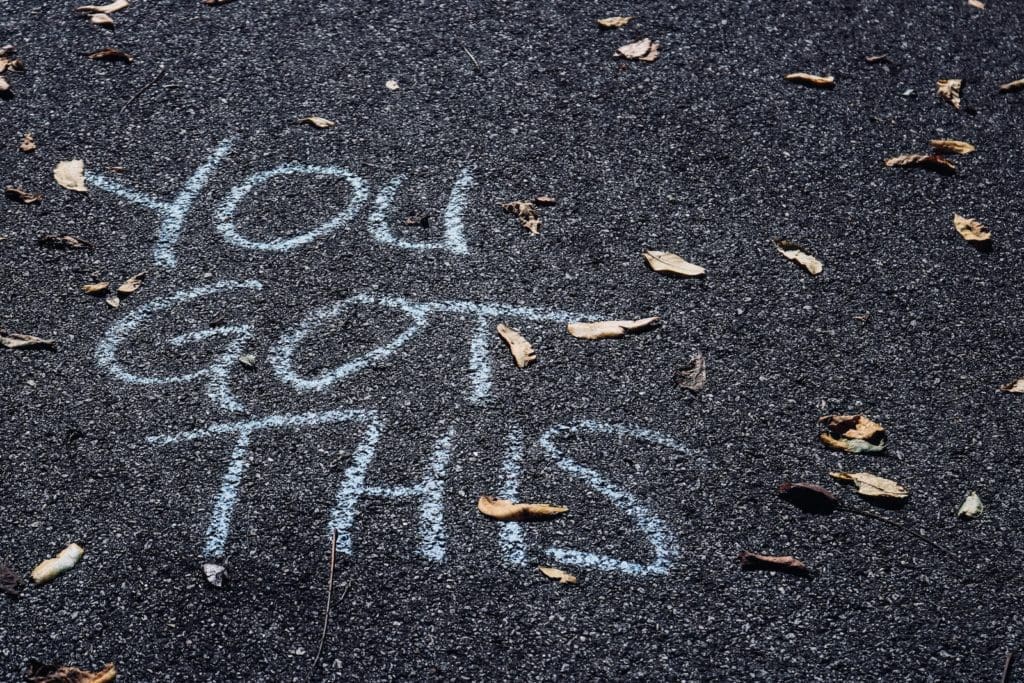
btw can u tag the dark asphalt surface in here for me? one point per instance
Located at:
(706, 152)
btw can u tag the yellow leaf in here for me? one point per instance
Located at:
(95, 287)
(670, 264)
(48, 570)
(558, 574)
(507, 511)
(970, 229)
(795, 253)
(110, 8)
(71, 175)
(132, 284)
(872, 486)
(614, 22)
(931, 162)
(608, 329)
(521, 349)
(1012, 86)
(952, 146)
(949, 90)
(644, 50)
(811, 79)
(318, 122)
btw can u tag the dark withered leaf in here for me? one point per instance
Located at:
(10, 583)
(63, 242)
(109, 54)
(16, 194)
(37, 672)
(809, 497)
(694, 375)
(778, 563)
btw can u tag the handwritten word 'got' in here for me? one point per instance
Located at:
(173, 212)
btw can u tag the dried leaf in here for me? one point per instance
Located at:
(318, 122)
(103, 20)
(811, 79)
(667, 263)
(853, 434)
(16, 194)
(693, 376)
(614, 22)
(10, 583)
(949, 90)
(1012, 86)
(1015, 387)
(644, 50)
(871, 486)
(608, 329)
(71, 175)
(248, 360)
(780, 563)
(4, 85)
(521, 349)
(544, 200)
(15, 340)
(28, 144)
(391, 84)
(113, 300)
(63, 242)
(931, 162)
(557, 574)
(506, 510)
(971, 507)
(952, 146)
(110, 54)
(976, 4)
(794, 252)
(214, 574)
(115, 6)
(809, 497)
(216, 2)
(54, 673)
(970, 229)
(132, 284)
(50, 569)
(875, 59)
(95, 287)
(527, 214)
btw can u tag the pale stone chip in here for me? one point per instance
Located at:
(391, 84)
(972, 506)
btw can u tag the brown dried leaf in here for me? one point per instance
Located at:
(95, 287)
(608, 329)
(952, 146)
(644, 50)
(557, 574)
(318, 122)
(50, 569)
(103, 20)
(976, 4)
(115, 6)
(527, 214)
(809, 497)
(507, 511)
(110, 54)
(28, 143)
(872, 486)
(521, 349)
(132, 284)
(949, 90)
(54, 673)
(875, 59)
(545, 200)
(811, 79)
(63, 242)
(794, 252)
(14, 340)
(694, 375)
(853, 434)
(614, 22)
(667, 263)
(1012, 86)
(71, 175)
(1015, 387)
(781, 563)
(10, 583)
(931, 162)
(16, 194)
(970, 229)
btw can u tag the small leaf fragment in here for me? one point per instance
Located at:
(667, 263)
(872, 486)
(391, 84)
(522, 350)
(970, 229)
(113, 300)
(132, 284)
(62, 242)
(11, 584)
(318, 122)
(48, 570)
(544, 200)
(214, 574)
(38, 672)
(693, 376)
(614, 22)
(248, 360)
(95, 287)
(110, 8)
(952, 146)
(930, 162)
(71, 175)
(16, 340)
(853, 434)
(16, 194)
(643, 50)
(110, 54)
(526, 212)
(103, 20)
(609, 329)
(1012, 86)
(949, 90)
(794, 252)
(507, 511)
(811, 79)
(976, 4)
(28, 143)
(557, 574)
(4, 85)
(972, 506)
(780, 563)
(876, 59)
(809, 497)
(1015, 387)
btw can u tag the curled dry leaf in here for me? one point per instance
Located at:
(103, 20)
(95, 287)
(214, 574)
(11, 584)
(544, 200)
(16, 194)
(110, 54)
(521, 349)
(109, 8)
(50, 569)
(1012, 86)
(1015, 387)
(63, 242)
(28, 143)
(853, 434)
(930, 162)
(608, 329)
(949, 90)
(872, 486)
(557, 574)
(15, 340)
(970, 229)
(667, 263)
(811, 79)
(38, 672)
(507, 511)
(952, 146)
(972, 506)
(132, 284)
(779, 563)
(71, 175)
(794, 252)
(809, 497)
(614, 22)
(318, 122)
(643, 50)
(526, 212)
(694, 375)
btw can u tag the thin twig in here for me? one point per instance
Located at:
(475, 63)
(327, 612)
(1008, 666)
(159, 75)
(880, 518)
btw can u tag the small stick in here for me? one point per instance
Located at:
(327, 613)
(159, 75)
(475, 63)
(880, 518)
(1008, 665)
